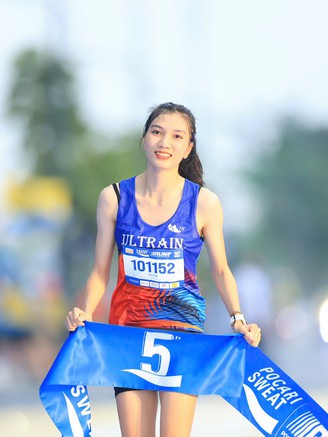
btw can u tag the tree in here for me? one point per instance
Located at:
(97, 170)
(292, 183)
(43, 98)
(60, 143)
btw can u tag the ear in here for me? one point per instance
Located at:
(189, 148)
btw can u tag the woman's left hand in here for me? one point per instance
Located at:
(251, 332)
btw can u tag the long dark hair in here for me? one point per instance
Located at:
(190, 168)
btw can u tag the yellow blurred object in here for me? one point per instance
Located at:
(41, 195)
(15, 306)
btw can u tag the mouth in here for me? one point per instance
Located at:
(162, 155)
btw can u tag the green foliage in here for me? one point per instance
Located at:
(42, 97)
(292, 181)
(97, 170)
(59, 142)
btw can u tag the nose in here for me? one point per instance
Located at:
(164, 142)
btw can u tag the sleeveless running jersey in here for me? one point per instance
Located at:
(157, 281)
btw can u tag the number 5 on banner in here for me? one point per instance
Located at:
(149, 349)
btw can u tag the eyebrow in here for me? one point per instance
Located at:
(161, 127)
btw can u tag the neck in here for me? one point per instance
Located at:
(160, 185)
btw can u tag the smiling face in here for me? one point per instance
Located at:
(167, 140)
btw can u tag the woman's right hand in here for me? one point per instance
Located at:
(76, 318)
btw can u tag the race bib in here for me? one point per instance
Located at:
(154, 268)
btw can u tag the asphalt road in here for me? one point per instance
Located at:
(214, 418)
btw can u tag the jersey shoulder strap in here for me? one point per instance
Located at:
(117, 192)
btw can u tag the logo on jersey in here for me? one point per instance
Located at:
(175, 229)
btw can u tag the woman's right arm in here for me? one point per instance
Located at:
(105, 243)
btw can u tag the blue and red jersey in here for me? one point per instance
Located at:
(157, 281)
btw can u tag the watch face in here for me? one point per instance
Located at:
(238, 316)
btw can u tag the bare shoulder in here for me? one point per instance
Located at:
(107, 202)
(209, 210)
(208, 202)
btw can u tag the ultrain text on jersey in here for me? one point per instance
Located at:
(152, 242)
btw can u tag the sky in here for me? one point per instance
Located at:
(238, 65)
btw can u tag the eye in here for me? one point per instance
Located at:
(179, 137)
(155, 132)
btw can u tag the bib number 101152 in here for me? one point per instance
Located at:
(154, 268)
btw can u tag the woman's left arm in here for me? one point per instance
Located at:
(210, 224)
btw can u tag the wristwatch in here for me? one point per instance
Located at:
(237, 316)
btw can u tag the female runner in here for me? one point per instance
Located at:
(164, 208)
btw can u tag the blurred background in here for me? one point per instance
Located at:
(76, 81)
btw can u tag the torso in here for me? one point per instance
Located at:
(149, 299)
(155, 213)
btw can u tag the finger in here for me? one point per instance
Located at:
(74, 319)
(240, 327)
(77, 312)
(80, 320)
(71, 326)
(253, 334)
(70, 318)
(79, 316)
(255, 340)
(253, 327)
